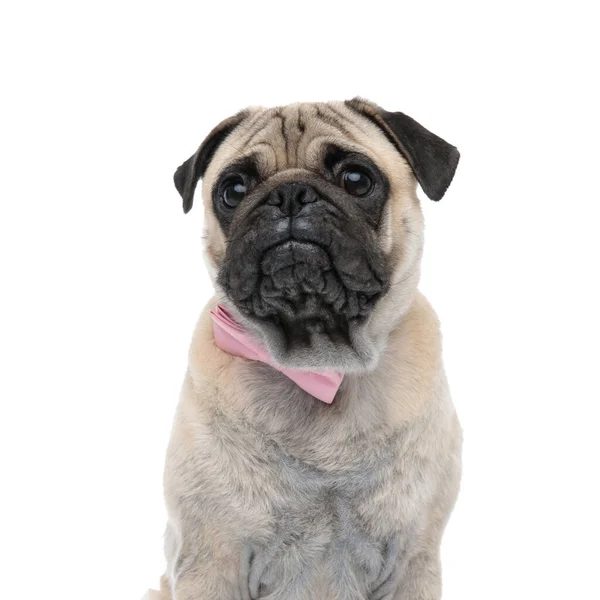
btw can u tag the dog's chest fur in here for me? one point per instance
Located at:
(300, 493)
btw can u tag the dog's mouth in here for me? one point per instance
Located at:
(304, 289)
(300, 290)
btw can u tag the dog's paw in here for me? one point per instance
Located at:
(254, 563)
(394, 562)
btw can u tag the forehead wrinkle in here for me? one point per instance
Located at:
(269, 131)
(236, 150)
(332, 121)
(340, 121)
(309, 123)
(265, 146)
(292, 134)
(301, 126)
(254, 118)
(248, 126)
(301, 120)
(323, 139)
(352, 118)
(275, 134)
(257, 127)
(284, 134)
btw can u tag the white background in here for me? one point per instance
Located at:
(102, 275)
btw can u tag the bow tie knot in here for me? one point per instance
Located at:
(231, 338)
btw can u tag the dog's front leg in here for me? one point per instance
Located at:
(416, 572)
(418, 578)
(422, 579)
(202, 564)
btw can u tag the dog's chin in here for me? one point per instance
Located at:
(304, 312)
(352, 351)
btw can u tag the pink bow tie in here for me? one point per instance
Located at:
(229, 336)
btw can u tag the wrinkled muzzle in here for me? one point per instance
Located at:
(304, 262)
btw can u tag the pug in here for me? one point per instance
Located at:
(315, 452)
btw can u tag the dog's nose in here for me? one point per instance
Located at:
(290, 197)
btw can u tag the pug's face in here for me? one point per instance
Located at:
(313, 226)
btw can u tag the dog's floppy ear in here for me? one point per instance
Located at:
(432, 159)
(187, 175)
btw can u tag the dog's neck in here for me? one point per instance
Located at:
(253, 394)
(232, 338)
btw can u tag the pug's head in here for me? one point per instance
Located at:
(314, 231)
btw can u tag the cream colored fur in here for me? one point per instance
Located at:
(378, 469)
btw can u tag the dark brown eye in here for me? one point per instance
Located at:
(356, 182)
(234, 193)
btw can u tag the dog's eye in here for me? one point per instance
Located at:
(234, 192)
(356, 182)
